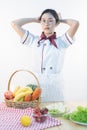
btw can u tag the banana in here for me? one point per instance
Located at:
(21, 95)
(15, 90)
(21, 99)
(24, 89)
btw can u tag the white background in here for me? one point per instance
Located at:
(14, 56)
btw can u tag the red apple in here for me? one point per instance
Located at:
(8, 95)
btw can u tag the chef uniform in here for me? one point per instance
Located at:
(48, 63)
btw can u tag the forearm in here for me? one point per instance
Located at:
(70, 22)
(23, 21)
(73, 25)
(17, 24)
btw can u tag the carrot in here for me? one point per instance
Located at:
(36, 94)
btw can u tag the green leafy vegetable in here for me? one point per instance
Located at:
(80, 115)
(33, 86)
(66, 116)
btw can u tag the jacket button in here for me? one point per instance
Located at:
(51, 68)
(43, 68)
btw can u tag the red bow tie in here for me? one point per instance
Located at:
(51, 38)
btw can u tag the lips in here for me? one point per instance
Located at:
(46, 28)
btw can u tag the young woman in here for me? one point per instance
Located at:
(49, 50)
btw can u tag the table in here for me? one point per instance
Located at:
(67, 124)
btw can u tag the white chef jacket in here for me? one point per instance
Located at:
(48, 63)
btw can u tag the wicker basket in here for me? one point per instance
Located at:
(23, 105)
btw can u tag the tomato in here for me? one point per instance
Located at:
(8, 95)
(27, 97)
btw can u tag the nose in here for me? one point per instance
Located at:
(47, 23)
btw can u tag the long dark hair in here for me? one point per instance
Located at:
(52, 12)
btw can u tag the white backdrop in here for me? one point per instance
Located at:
(14, 56)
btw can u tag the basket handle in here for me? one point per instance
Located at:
(19, 71)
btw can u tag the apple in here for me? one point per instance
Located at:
(27, 98)
(8, 95)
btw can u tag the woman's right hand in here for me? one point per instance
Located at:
(38, 19)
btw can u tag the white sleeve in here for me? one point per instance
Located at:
(27, 38)
(67, 40)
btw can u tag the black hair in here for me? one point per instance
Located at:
(52, 12)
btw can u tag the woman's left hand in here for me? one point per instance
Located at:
(59, 15)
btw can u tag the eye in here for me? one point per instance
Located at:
(43, 21)
(50, 21)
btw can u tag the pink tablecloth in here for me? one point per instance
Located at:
(10, 119)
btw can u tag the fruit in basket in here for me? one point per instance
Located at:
(24, 89)
(21, 99)
(26, 93)
(27, 97)
(21, 95)
(33, 86)
(16, 90)
(25, 120)
(36, 93)
(8, 95)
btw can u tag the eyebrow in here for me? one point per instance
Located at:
(48, 18)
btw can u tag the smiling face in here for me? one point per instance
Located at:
(48, 23)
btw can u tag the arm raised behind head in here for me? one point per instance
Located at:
(18, 23)
(73, 26)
